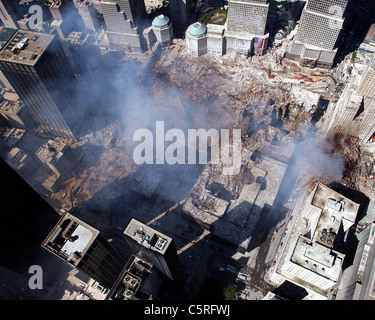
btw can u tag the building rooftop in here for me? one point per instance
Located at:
(311, 255)
(25, 47)
(147, 237)
(18, 158)
(5, 35)
(160, 21)
(197, 29)
(51, 151)
(11, 136)
(70, 239)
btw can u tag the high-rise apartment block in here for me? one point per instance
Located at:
(38, 70)
(83, 247)
(319, 29)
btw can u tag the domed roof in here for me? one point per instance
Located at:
(197, 29)
(160, 21)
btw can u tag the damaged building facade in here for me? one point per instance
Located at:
(315, 43)
(354, 113)
(311, 249)
(229, 209)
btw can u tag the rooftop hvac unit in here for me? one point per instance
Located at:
(326, 238)
(131, 281)
(160, 244)
(337, 205)
(128, 294)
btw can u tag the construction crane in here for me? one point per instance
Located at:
(265, 69)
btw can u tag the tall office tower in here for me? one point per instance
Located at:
(163, 29)
(341, 116)
(246, 21)
(367, 85)
(196, 39)
(179, 11)
(88, 13)
(37, 68)
(366, 131)
(26, 219)
(85, 248)
(8, 13)
(358, 280)
(354, 112)
(321, 23)
(367, 90)
(314, 239)
(139, 281)
(87, 62)
(123, 19)
(154, 247)
(370, 36)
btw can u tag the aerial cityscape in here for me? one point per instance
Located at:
(187, 150)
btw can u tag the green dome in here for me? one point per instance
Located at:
(160, 21)
(197, 29)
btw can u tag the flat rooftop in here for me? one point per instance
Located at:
(70, 239)
(147, 236)
(51, 151)
(25, 47)
(11, 136)
(310, 257)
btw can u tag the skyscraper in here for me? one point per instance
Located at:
(88, 14)
(26, 220)
(354, 112)
(179, 11)
(247, 16)
(37, 68)
(122, 19)
(154, 247)
(246, 24)
(83, 247)
(8, 13)
(319, 29)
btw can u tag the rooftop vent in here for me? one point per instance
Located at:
(327, 238)
(337, 205)
(131, 281)
(160, 244)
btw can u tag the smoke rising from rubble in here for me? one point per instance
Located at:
(320, 159)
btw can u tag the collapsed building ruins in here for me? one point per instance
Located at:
(230, 207)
